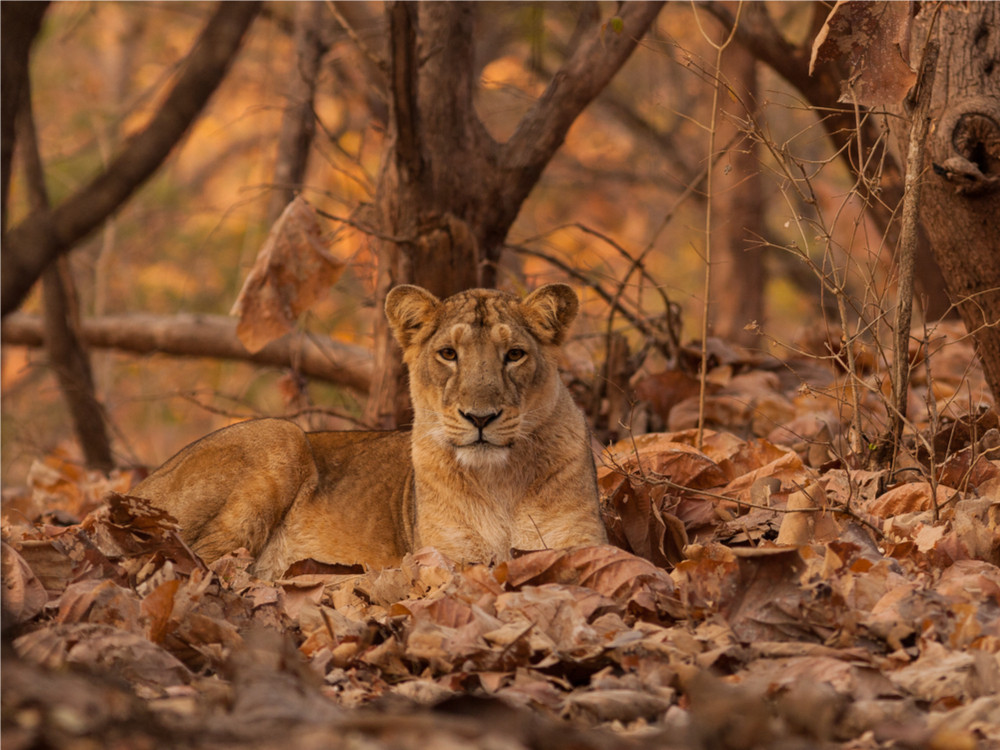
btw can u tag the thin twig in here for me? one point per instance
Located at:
(908, 246)
(703, 375)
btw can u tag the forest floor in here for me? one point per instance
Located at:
(761, 592)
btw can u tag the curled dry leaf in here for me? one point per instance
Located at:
(293, 270)
(799, 528)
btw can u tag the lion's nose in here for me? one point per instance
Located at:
(480, 420)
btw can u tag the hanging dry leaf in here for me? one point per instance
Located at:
(293, 269)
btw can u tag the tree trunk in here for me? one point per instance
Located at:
(961, 198)
(739, 273)
(20, 23)
(447, 192)
(68, 356)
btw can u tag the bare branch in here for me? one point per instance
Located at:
(212, 336)
(581, 78)
(39, 239)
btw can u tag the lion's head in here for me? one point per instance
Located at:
(482, 364)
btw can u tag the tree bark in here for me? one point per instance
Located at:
(961, 202)
(40, 238)
(739, 273)
(447, 192)
(67, 355)
(20, 23)
(212, 336)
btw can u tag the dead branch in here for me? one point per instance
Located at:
(40, 238)
(212, 336)
(581, 78)
(298, 121)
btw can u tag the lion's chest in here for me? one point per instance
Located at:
(480, 526)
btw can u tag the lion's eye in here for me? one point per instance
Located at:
(515, 355)
(448, 354)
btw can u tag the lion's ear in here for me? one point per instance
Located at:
(408, 308)
(550, 310)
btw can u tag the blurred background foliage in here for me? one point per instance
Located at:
(185, 241)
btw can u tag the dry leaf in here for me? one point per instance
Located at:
(293, 269)
(908, 498)
(102, 602)
(799, 528)
(23, 594)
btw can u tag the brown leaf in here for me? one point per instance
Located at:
(786, 468)
(949, 677)
(611, 572)
(847, 679)
(614, 705)
(641, 524)
(314, 567)
(49, 562)
(147, 667)
(666, 455)
(23, 594)
(908, 498)
(799, 528)
(293, 269)
(101, 602)
(157, 607)
(967, 470)
(874, 40)
(757, 591)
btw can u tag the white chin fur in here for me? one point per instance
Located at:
(482, 456)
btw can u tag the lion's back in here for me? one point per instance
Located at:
(285, 495)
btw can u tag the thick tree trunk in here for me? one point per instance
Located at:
(961, 199)
(448, 193)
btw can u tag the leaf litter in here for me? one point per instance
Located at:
(753, 596)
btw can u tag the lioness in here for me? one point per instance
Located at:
(499, 456)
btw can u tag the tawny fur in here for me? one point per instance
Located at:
(499, 457)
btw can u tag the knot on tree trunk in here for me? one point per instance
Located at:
(967, 151)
